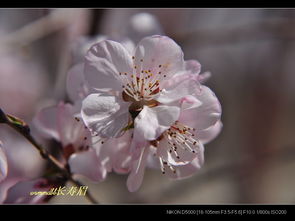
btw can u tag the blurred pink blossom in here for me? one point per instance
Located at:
(23, 162)
(62, 123)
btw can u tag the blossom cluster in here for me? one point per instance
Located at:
(132, 110)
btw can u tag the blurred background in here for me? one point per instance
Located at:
(251, 55)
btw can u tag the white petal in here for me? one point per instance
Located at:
(185, 155)
(70, 130)
(103, 63)
(189, 101)
(152, 122)
(128, 44)
(185, 171)
(137, 172)
(205, 136)
(114, 153)
(87, 164)
(178, 87)
(76, 85)
(159, 53)
(105, 114)
(205, 115)
(193, 66)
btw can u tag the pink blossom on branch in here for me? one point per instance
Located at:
(62, 123)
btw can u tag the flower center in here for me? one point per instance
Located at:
(181, 136)
(142, 86)
(178, 136)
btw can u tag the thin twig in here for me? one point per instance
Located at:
(22, 128)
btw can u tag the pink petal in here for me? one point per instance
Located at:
(185, 171)
(159, 54)
(189, 101)
(205, 136)
(137, 171)
(152, 122)
(76, 85)
(3, 164)
(114, 153)
(70, 130)
(80, 46)
(87, 164)
(178, 87)
(104, 114)
(5, 185)
(184, 155)
(46, 122)
(193, 66)
(204, 77)
(205, 115)
(152, 160)
(103, 63)
(20, 193)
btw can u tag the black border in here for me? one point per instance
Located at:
(146, 4)
(142, 211)
(147, 211)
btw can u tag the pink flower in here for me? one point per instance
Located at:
(180, 149)
(21, 192)
(21, 162)
(63, 124)
(137, 90)
(115, 154)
